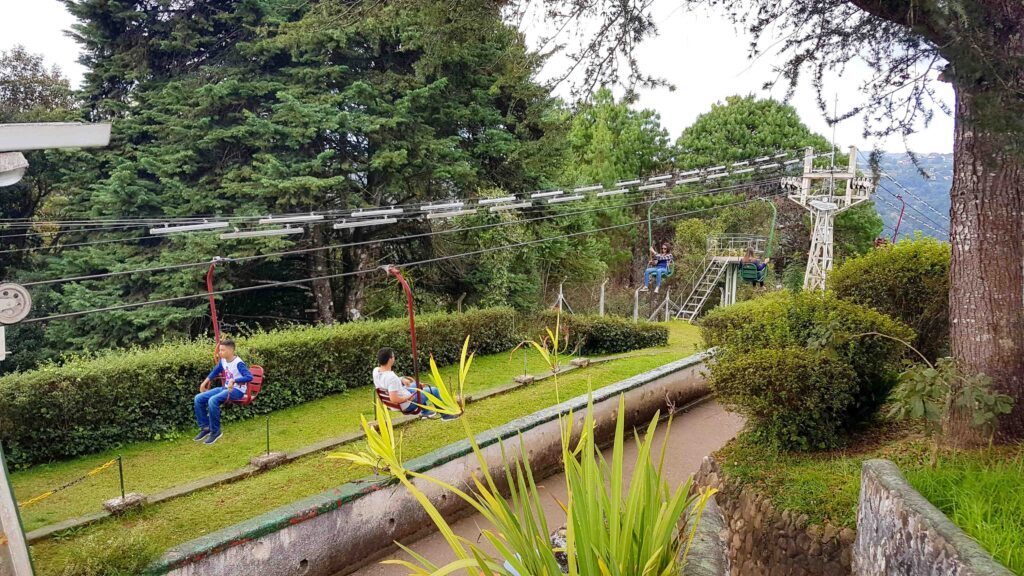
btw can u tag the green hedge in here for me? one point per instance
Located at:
(784, 320)
(603, 334)
(793, 398)
(909, 281)
(88, 405)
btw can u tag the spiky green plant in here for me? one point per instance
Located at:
(614, 526)
(550, 348)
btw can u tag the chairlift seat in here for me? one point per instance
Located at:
(252, 388)
(750, 273)
(385, 399)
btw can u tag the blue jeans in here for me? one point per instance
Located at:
(655, 271)
(207, 405)
(418, 397)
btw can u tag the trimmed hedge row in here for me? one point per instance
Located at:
(88, 405)
(603, 334)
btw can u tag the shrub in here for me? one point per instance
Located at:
(811, 319)
(604, 334)
(908, 281)
(87, 405)
(793, 398)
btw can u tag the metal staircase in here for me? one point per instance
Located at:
(709, 278)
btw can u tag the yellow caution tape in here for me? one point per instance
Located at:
(49, 493)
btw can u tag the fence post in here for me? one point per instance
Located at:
(14, 551)
(120, 475)
(668, 303)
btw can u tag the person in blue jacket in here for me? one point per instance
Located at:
(235, 375)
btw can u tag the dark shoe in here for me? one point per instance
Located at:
(202, 434)
(213, 438)
(449, 417)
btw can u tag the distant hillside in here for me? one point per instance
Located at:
(934, 191)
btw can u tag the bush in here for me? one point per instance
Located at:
(908, 281)
(793, 398)
(813, 320)
(603, 334)
(87, 405)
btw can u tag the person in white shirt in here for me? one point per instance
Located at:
(401, 392)
(235, 375)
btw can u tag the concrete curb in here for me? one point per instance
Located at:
(214, 552)
(248, 471)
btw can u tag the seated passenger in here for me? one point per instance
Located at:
(401, 392)
(235, 375)
(750, 260)
(660, 264)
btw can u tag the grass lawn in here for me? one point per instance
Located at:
(156, 465)
(981, 491)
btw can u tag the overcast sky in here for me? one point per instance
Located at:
(701, 53)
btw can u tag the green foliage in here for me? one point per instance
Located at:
(127, 554)
(856, 230)
(793, 398)
(927, 393)
(821, 323)
(983, 497)
(87, 405)
(605, 335)
(630, 523)
(741, 128)
(909, 281)
(327, 105)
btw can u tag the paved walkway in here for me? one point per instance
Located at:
(694, 435)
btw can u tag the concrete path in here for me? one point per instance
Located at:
(694, 434)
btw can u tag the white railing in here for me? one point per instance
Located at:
(736, 244)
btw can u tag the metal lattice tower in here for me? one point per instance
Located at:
(818, 194)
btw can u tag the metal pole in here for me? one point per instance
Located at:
(524, 361)
(668, 304)
(268, 433)
(14, 554)
(120, 474)
(896, 231)
(600, 304)
(636, 306)
(412, 323)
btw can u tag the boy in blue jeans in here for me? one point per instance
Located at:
(236, 376)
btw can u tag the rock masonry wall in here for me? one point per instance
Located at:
(762, 541)
(899, 532)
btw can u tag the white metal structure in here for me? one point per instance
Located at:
(47, 135)
(817, 192)
(15, 302)
(721, 262)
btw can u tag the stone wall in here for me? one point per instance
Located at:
(709, 552)
(899, 532)
(764, 542)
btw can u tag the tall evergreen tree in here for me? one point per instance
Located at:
(237, 108)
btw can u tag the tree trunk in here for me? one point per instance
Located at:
(323, 292)
(986, 297)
